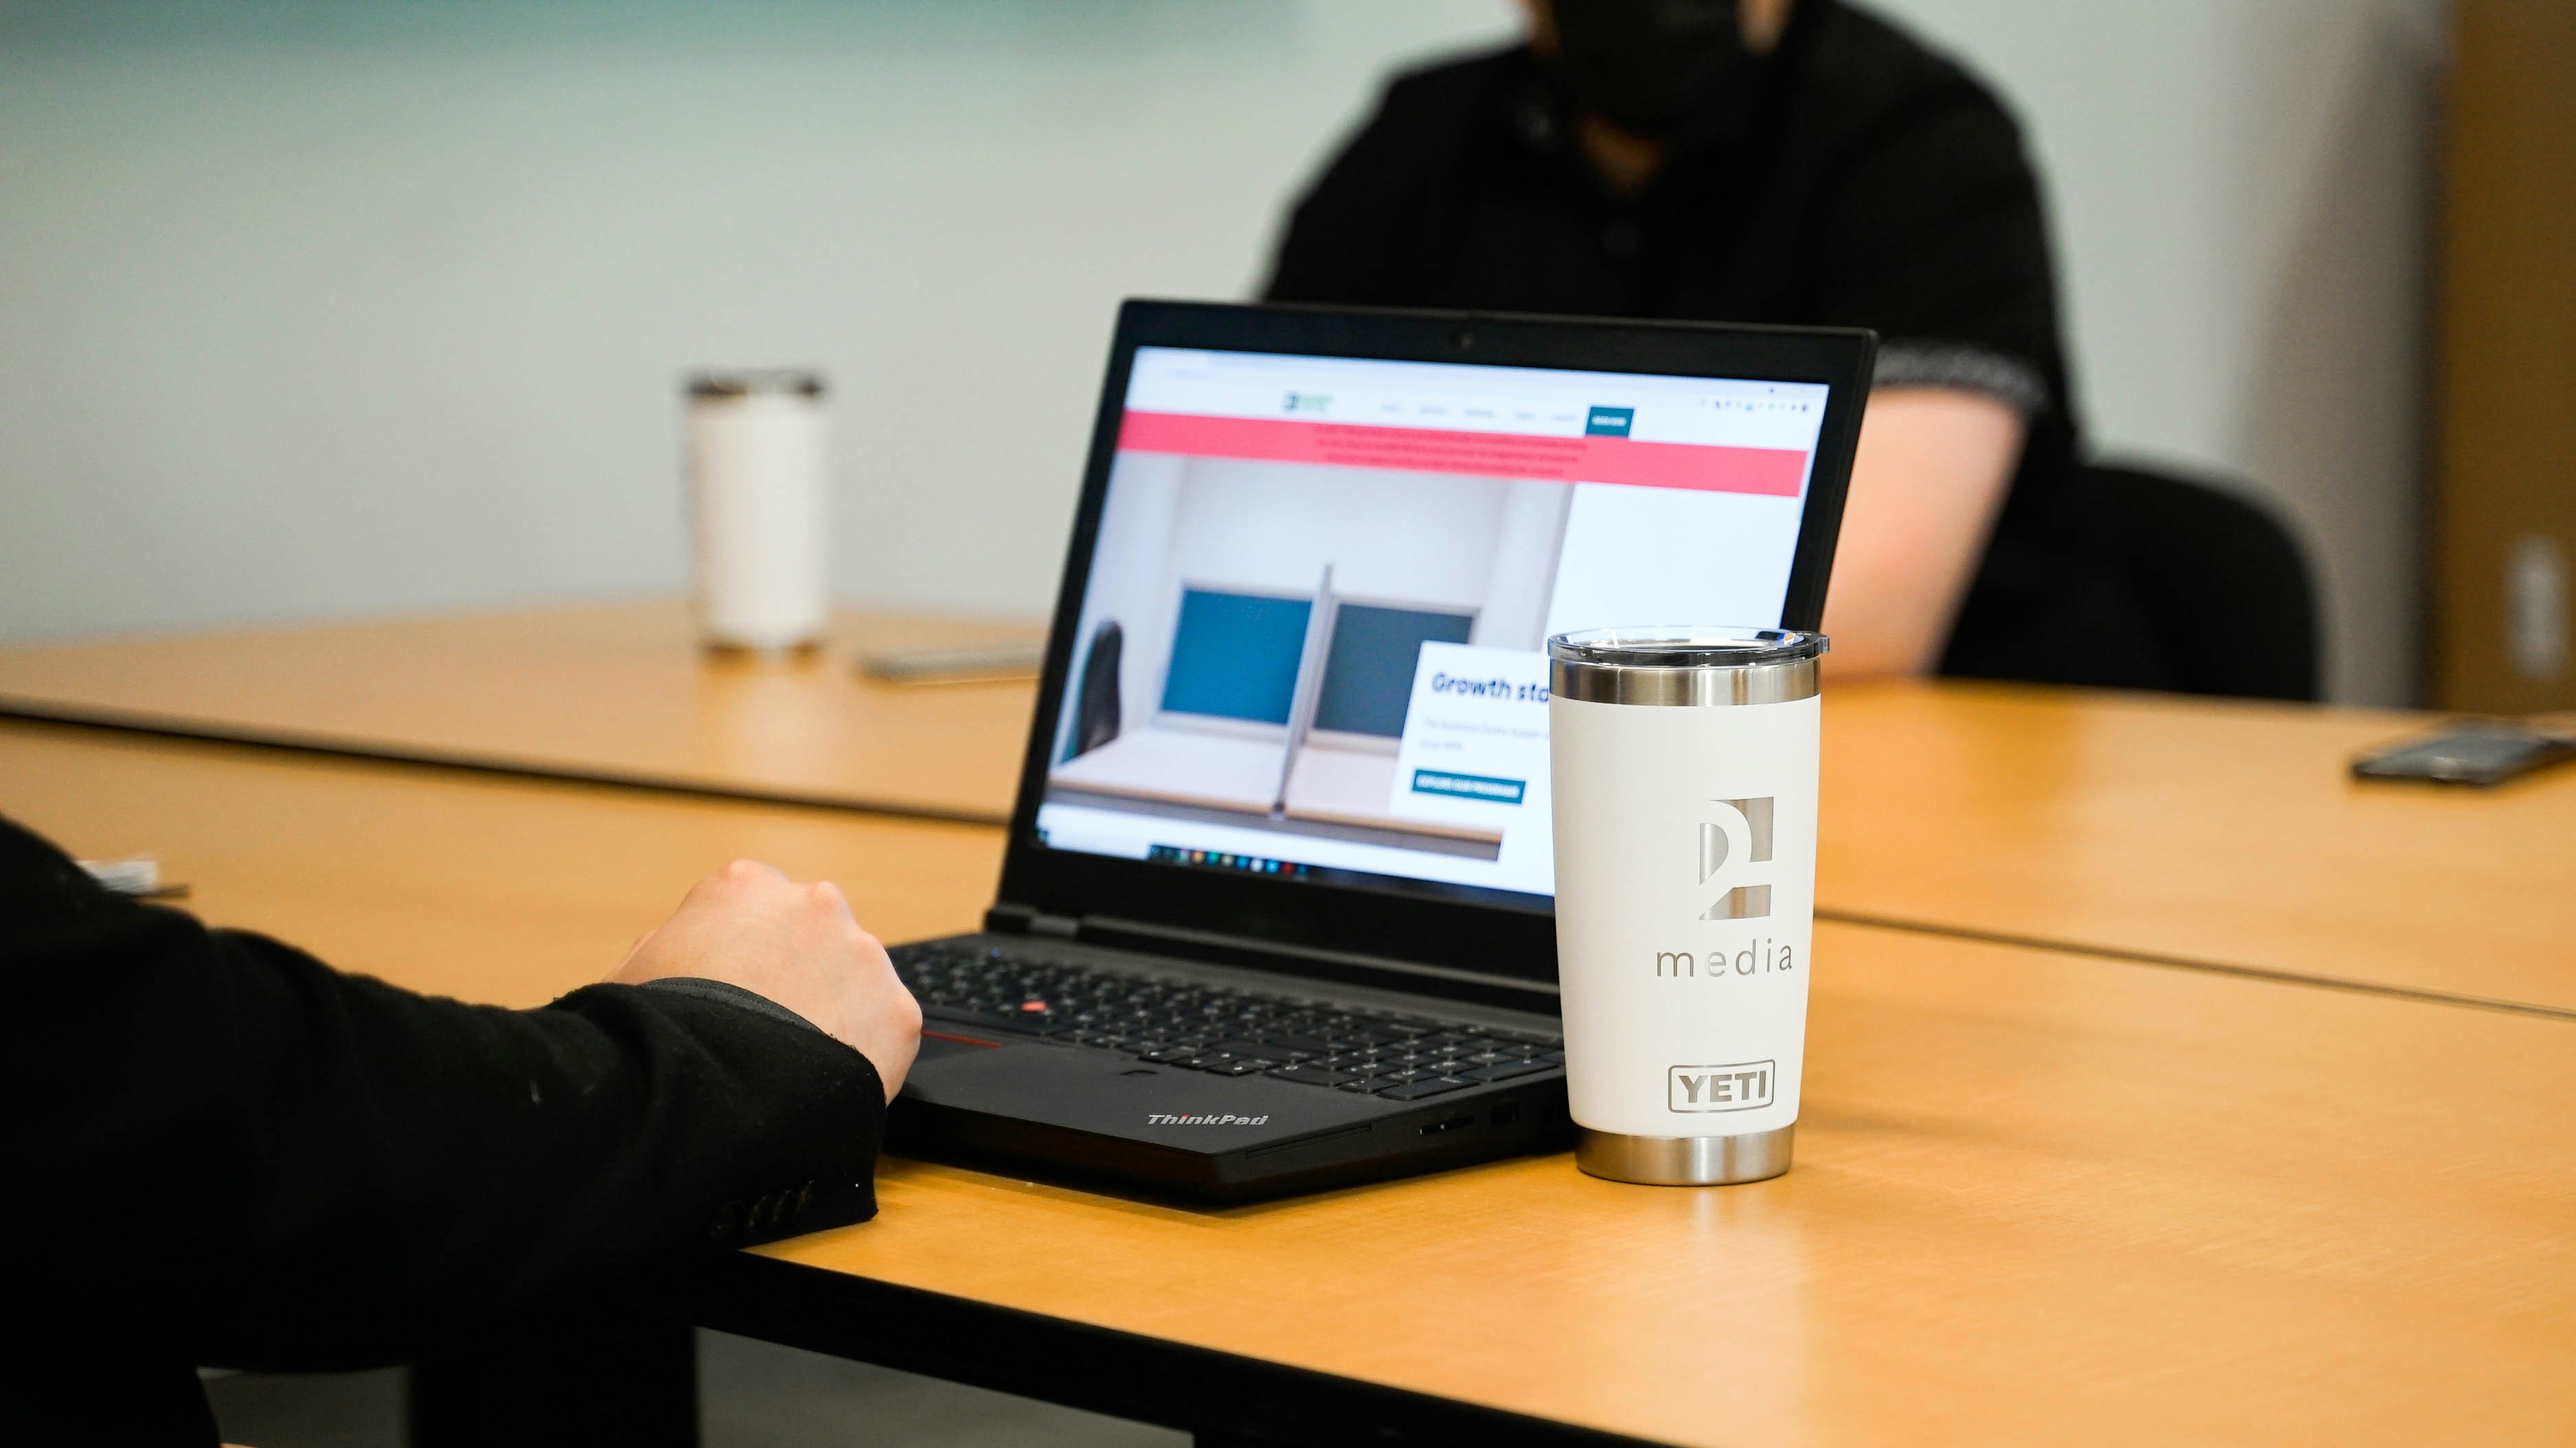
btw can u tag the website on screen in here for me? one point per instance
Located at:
(1313, 638)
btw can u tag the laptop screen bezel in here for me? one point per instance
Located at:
(1501, 943)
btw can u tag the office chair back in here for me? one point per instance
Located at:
(2149, 581)
(1095, 705)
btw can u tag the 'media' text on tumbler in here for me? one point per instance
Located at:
(1761, 956)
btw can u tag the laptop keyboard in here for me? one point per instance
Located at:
(1222, 1031)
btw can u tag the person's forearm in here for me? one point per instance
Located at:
(286, 1166)
(1931, 472)
(455, 1163)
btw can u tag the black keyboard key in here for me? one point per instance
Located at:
(1511, 1069)
(1374, 1084)
(1280, 1055)
(1239, 1066)
(1433, 1086)
(1021, 1023)
(1309, 1076)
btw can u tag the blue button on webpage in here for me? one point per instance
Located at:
(1468, 786)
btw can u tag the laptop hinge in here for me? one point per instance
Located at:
(1224, 949)
(1378, 971)
(1007, 919)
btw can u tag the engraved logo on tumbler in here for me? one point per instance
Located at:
(1740, 1087)
(1749, 831)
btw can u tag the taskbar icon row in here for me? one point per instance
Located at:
(1219, 860)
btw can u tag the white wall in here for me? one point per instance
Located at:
(324, 306)
(2242, 190)
(1408, 539)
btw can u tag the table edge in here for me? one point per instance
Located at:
(1083, 1365)
(22, 709)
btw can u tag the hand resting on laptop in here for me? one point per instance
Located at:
(750, 927)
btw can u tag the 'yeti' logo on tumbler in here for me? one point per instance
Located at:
(1739, 1087)
(1741, 831)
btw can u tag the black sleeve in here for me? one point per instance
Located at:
(1358, 235)
(1932, 231)
(273, 1164)
(1340, 243)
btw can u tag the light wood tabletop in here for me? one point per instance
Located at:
(2040, 1197)
(2223, 833)
(484, 888)
(2218, 832)
(617, 692)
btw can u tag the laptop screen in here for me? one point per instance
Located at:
(1312, 645)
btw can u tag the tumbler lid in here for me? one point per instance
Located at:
(757, 381)
(1684, 647)
(1684, 665)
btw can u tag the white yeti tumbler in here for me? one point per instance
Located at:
(1683, 763)
(758, 492)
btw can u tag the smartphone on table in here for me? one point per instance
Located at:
(2475, 751)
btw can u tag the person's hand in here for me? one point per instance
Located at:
(798, 945)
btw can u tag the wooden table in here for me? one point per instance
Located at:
(499, 890)
(2219, 834)
(2040, 1196)
(618, 693)
(2193, 830)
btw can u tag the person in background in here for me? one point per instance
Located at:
(225, 1153)
(1765, 161)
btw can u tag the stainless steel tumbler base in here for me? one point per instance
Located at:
(1683, 1161)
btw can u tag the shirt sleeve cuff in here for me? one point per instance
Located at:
(2008, 380)
(717, 990)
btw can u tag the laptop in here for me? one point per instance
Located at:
(1275, 910)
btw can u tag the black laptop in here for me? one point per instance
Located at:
(1275, 913)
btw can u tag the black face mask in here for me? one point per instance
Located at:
(1646, 65)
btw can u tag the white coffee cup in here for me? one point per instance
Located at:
(1683, 770)
(759, 489)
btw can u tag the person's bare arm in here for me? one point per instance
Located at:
(1933, 466)
(747, 925)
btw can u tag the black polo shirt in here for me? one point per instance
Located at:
(1854, 179)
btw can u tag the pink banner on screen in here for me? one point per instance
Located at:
(1774, 472)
